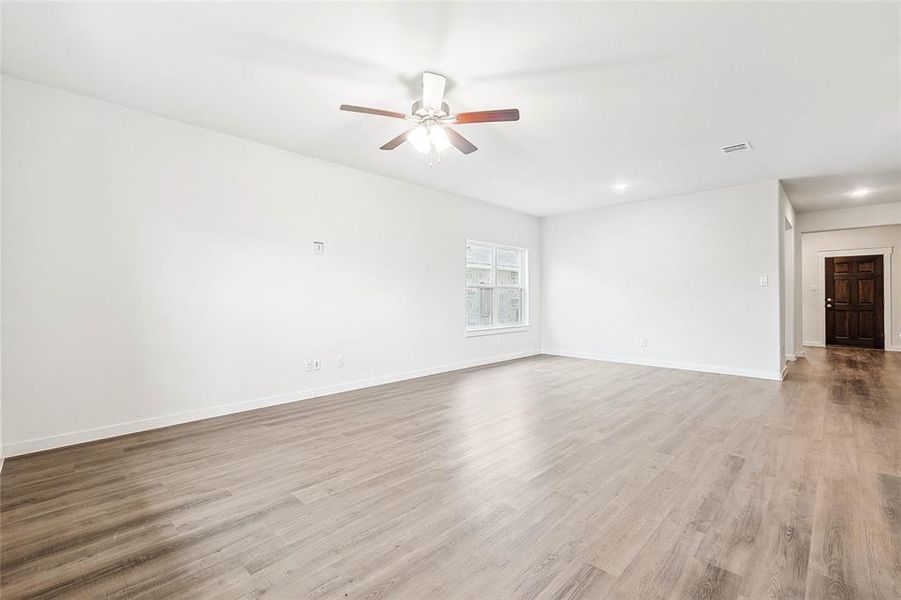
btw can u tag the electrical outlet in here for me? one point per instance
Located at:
(317, 364)
(308, 365)
(644, 342)
(339, 362)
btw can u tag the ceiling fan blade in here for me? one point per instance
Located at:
(487, 116)
(372, 111)
(459, 142)
(397, 141)
(432, 90)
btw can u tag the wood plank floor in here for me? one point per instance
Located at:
(539, 478)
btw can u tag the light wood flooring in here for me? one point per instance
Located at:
(539, 478)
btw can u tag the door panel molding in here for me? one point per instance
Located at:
(886, 253)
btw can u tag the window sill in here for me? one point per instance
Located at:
(497, 330)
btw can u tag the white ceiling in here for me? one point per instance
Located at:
(638, 92)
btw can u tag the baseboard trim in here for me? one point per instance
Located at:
(663, 364)
(784, 371)
(359, 384)
(894, 348)
(139, 425)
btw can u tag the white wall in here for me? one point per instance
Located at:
(848, 218)
(849, 239)
(156, 272)
(682, 272)
(790, 278)
(2, 453)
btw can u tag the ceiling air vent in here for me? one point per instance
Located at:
(739, 147)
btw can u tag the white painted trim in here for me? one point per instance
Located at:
(894, 348)
(665, 364)
(108, 431)
(497, 330)
(886, 288)
(365, 383)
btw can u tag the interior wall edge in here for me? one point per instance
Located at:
(189, 416)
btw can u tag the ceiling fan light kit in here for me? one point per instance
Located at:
(432, 115)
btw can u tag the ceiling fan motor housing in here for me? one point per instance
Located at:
(420, 111)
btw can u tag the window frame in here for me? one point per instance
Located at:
(495, 328)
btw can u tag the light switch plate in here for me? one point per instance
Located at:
(764, 281)
(318, 248)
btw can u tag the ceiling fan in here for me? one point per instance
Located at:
(431, 135)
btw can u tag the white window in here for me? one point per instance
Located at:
(497, 291)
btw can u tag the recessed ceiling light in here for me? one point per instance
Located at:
(860, 192)
(622, 186)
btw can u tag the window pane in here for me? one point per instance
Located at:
(479, 255)
(508, 258)
(509, 263)
(478, 306)
(478, 275)
(507, 277)
(509, 309)
(479, 263)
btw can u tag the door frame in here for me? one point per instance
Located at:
(886, 287)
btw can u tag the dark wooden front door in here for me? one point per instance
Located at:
(854, 304)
